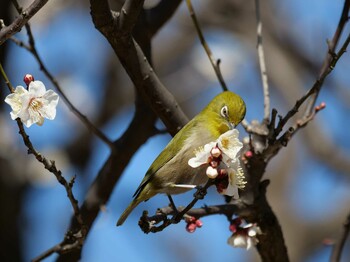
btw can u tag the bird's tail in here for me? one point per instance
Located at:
(128, 210)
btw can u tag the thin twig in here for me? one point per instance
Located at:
(327, 66)
(262, 63)
(32, 49)
(338, 248)
(48, 252)
(48, 164)
(316, 86)
(148, 224)
(215, 63)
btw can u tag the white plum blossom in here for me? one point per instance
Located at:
(245, 237)
(202, 155)
(34, 104)
(224, 150)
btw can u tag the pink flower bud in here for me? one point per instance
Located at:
(233, 228)
(28, 78)
(215, 152)
(191, 227)
(199, 223)
(212, 172)
(248, 154)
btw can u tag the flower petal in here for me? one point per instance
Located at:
(230, 144)
(193, 162)
(37, 88)
(238, 240)
(202, 155)
(51, 97)
(14, 100)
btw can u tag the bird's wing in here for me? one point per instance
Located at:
(166, 155)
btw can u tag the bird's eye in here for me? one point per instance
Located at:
(224, 111)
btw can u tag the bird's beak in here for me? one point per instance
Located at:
(232, 125)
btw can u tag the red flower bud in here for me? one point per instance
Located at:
(248, 154)
(28, 78)
(191, 227)
(199, 223)
(233, 228)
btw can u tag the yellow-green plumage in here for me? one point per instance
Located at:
(171, 166)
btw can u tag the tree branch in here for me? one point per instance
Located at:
(129, 15)
(338, 248)
(140, 71)
(328, 65)
(49, 165)
(262, 63)
(20, 21)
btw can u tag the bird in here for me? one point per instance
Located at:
(170, 170)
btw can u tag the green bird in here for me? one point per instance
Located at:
(171, 169)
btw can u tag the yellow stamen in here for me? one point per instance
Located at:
(225, 143)
(35, 105)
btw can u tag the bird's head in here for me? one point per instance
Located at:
(224, 112)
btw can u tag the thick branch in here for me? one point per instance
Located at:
(17, 25)
(139, 69)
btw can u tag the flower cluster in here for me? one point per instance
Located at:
(34, 104)
(222, 158)
(192, 224)
(243, 235)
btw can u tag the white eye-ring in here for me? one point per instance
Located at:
(224, 111)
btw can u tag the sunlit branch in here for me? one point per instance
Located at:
(262, 63)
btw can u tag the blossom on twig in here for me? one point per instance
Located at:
(244, 236)
(34, 104)
(222, 158)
